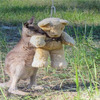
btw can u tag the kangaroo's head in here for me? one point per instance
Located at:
(29, 28)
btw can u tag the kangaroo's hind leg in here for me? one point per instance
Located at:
(16, 77)
(33, 83)
(33, 78)
(13, 88)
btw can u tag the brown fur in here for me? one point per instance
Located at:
(18, 61)
(23, 52)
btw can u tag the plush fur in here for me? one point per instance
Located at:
(51, 43)
(58, 58)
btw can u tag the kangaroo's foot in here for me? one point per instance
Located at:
(18, 92)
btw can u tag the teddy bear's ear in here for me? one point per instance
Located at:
(64, 22)
(44, 26)
(29, 21)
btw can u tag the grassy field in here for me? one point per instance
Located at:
(81, 79)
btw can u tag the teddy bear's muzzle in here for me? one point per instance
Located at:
(56, 36)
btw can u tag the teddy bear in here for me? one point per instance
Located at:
(51, 43)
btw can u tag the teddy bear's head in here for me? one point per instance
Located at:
(53, 26)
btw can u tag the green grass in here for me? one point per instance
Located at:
(81, 79)
(75, 11)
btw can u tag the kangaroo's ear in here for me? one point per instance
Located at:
(29, 21)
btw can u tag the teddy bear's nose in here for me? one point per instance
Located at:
(55, 35)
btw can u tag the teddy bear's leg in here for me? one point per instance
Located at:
(58, 58)
(40, 58)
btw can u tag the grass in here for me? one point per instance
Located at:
(81, 79)
(75, 11)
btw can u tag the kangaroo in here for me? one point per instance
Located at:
(18, 61)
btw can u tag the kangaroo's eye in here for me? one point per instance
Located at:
(48, 31)
(61, 28)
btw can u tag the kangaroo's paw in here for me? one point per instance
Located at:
(18, 92)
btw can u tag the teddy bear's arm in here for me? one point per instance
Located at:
(67, 40)
(38, 40)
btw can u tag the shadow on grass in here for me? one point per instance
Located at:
(71, 87)
(12, 36)
(80, 30)
(8, 38)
